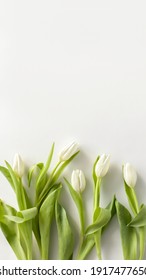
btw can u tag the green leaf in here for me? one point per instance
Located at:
(33, 169)
(140, 219)
(112, 208)
(6, 209)
(7, 175)
(24, 221)
(46, 214)
(89, 240)
(132, 199)
(93, 171)
(25, 230)
(22, 216)
(100, 218)
(79, 204)
(65, 235)
(40, 184)
(128, 234)
(19, 190)
(11, 230)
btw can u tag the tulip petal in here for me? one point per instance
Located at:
(69, 151)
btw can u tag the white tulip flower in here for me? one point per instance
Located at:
(129, 175)
(78, 180)
(102, 166)
(18, 165)
(69, 151)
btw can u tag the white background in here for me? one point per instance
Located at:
(75, 70)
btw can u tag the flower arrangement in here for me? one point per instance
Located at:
(34, 218)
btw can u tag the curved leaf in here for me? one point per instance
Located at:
(140, 218)
(101, 218)
(7, 175)
(22, 216)
(11, 230)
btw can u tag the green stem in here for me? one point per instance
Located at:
(97, 193)
(97, 238)
(82, 223)
(97, 235)
(87, 246)
(81, 215)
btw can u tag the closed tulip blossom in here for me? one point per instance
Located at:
(102, 165)
(78, 180)
(69, 151)
(129, 175)
(18, 165)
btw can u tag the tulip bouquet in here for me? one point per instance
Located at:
(33, 217)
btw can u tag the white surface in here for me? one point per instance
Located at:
(75, 70)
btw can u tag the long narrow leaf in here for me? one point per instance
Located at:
(40, 182)
(19, 190)
(65, 235)
(46, 214)
(93, 171)
(39, 166)
(111, 206)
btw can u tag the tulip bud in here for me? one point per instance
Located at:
(69, 151)
(129, 175)
(18, 165)
(102, 166)
(78, 180)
